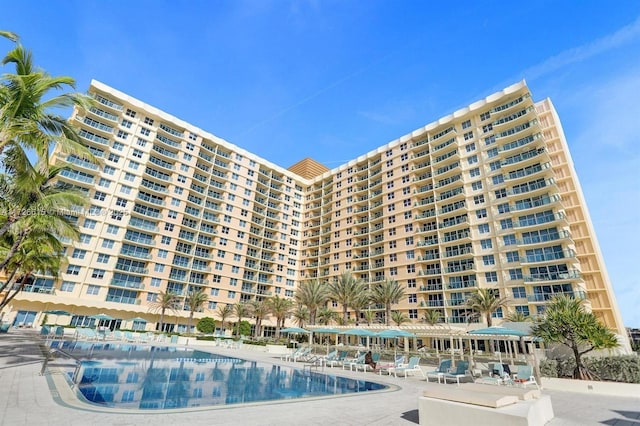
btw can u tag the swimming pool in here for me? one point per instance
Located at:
(159, 377)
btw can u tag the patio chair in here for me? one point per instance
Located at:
(364, 366)
(439, 372)
(45, 330)
(525, 377)
(412, 366)
(496, 376)
(350, 364)
(398, 362)
(339, 359)
(329, 357)
(460, 371)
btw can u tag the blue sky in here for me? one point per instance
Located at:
(333, 80)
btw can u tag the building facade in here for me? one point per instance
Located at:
(484, 197)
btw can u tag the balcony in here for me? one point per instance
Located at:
(571, 274)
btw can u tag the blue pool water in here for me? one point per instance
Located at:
(148, 377)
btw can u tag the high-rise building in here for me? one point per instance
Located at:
(484, 197)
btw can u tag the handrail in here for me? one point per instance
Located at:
(45, 363)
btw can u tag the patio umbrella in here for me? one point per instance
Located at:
(394, 333)
(496, 330)
(327, 330)
(102, 317)
(360, 332)
(294, 330)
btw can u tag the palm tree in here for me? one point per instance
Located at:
(301, 315)
(484, 302)
(369, 316)
(280, 308)
(224, 312)
(399, 318)
(195, 300)
(40, 252)
(566, 321)
(241, 310)
(360, 302)
(387, 293)
(164, 301)
(327, 315)
(313, 294)
(517, 316)
(432, 317)
(261, 310)
(26, 117)
(344, 291)
(8, 34)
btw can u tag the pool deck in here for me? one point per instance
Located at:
(25, 399)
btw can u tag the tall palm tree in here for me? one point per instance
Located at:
(8, 34)
(261, 310)
(280, 308)
(344, 291)
(301, 315)
(484, 302)
(517, 316)
(313, 294)
(241, 310)
(224, 312)
(195, 300)
(27, 120)
(361, 301)
(165, 301)
(387, 293)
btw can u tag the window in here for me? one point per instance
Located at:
(478, 199)
(474, 172)
(476, 185)
(482, 213)
(500, 193)
(67, 286)
(488, 260)
(512, 256)
(509, 240)
(503, 208)
(98, 273)
(466, 124)
(491, 277)
(107, 243)
(93, 289)
(73, 269)
(519, 293)
(483, 228)
(78, 254)
(100, 196)
(103, 258)
(486, 244)
(473, 159)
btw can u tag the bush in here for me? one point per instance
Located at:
(206, 325)
(621, 368)
(549, 368)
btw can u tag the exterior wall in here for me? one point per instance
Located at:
(484, 197)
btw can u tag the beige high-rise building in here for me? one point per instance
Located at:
(484, 197)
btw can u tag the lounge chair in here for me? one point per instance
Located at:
(412, 366)
(497, 375)
(398, 362)
(460, 371)
(364, 366)
(525, 377)
(329, 357)
(45, 330)
(439, 372)
(4, 327)
(339, 359)
(350, 364)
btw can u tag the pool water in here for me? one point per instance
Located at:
(148, 377)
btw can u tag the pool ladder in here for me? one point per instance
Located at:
(49, 353)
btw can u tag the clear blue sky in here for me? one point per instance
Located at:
(332, 80)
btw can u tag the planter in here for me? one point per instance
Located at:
(592, 387)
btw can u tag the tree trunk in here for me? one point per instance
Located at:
(489, 322)
(189, 322)
(8, 298)
(162, 320)
(13, 250)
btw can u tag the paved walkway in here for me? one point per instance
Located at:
(25, 399)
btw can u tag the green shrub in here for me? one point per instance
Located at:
(620, 368)
(549, 368)
(206, 325)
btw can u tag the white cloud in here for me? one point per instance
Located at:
(577, 54)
